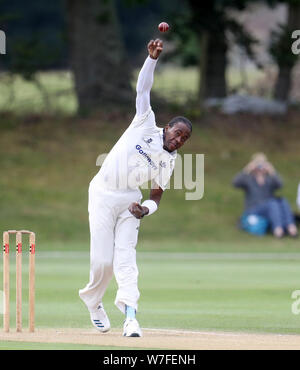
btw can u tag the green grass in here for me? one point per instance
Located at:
(246, 244)
(197, 270)
(226, 292)
(22, 96)
(250, 76)
(46, 167)
(175, 84)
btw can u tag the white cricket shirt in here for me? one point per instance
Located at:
(138, 156)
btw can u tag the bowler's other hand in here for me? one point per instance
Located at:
(137, 210)
(155, 48)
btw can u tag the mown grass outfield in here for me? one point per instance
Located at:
(247, 292)
(197, 270)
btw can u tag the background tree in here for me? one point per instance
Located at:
(280, 50)
(201, 35)
(139, 20)
(35, 41)
(87, 37)
(97, 57)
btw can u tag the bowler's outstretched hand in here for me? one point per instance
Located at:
(155, 48)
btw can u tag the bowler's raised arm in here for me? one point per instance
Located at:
(145, 78)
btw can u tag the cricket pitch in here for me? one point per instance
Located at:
(161, 339)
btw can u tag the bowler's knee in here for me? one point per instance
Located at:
(102, 265)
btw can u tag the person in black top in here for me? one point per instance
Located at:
(259, 181)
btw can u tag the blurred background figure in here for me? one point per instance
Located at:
(263, 209)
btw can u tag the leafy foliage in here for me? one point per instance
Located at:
(31, 55)
(212, 18)
(35, 35)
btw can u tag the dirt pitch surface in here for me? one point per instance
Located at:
(161, 339)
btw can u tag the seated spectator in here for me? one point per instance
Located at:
(259, 181)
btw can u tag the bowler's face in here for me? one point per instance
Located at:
(176, 136)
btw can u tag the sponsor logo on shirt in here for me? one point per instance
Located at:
(146, 156)
(148, 141)
(162, 164)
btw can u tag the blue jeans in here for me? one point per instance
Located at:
(276, 210)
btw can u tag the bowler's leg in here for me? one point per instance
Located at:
(125, 267)
(102, 223)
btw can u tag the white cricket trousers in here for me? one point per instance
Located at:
(113, 238)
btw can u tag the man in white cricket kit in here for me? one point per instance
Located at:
(144, 152)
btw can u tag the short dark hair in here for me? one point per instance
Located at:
(184, 120)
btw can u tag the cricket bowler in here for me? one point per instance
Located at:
(144, 153)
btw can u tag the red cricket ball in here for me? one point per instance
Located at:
(163, 27)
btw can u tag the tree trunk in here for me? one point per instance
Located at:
(283, 83)
(209, 24)
(216, 66)
(203, 67)
(213, 64)
(284, 79)
(101, 72)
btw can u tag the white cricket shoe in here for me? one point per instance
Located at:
(131, 328)
(100, 319)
